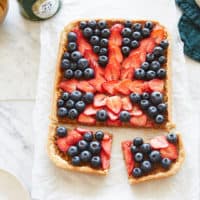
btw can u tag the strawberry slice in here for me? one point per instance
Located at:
(126, 104)
(68, 86)
(90, 110)
(62, 144)
(115, 53)
(112, 116)
(85, 86)
(105, 160)
(112, 71)
(136, 111)
(84, 119)
(127, 73)
(114, 103)
(137, 86)
(99, 100)
(115, 38)
(106, 137)
(169, 152)
(128, 157)
(138, 120)
(123, 86)
(113, 122)
(147, 45)
(156, 85)
(106, 146)
(159, 142)
(97, 83)
(109, 86)
(158, 34)
(82, 130)
(149, 123)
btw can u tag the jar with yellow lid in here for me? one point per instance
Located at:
(3, 9)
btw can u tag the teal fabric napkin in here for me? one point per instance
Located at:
(189, 28)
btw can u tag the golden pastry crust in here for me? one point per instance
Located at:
(58, 77)
(163, 173)
(61, 161)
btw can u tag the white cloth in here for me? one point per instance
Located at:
(52, 183)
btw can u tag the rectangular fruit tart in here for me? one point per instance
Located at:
(113, 73)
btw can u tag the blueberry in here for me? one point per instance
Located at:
(144, 104)
(162, 59)
(88, 73)
(61, 131)
(136, 35)
(88, 97)
(172, 138)
(73, 66)
(145, 148)
(95, 147)
(139, 74)
(152, 111)
(158, 51)
(102, 24)
(94, 40)
(138, 157)
(137, 27)
(76, 55)
(99, 135)
(145, 95)
(104, 42)
(146, 166)
(62, 112)
(65, 96)
(80, 106)
(76, 161)
(72, 151)
(166, 163)
(134, 44)
(145, 66)
(145, 32)
(72, 114)
(135, 97)
(76, 95)
(87, 32)
(161, 73)
(159, 119)
(125, 50)
(70, 103)
(150, 57)
(72, 46)
(103, 60)
(137, 141)
(83, 25)
(85, 156)
(92, 24)
(126, 41)
(101, 115)
(126, 32)
(65, 64)
(78, 74)
(83, 63)
(155, 66)
(103, 52)
(96, 49)
(96, 162)
(148, 24)
(164, 44)
(150, 75)
(88, 136)
(162, 107)
(128, 24)
(156, 98)
(66, 55)
(137, 172)
(68, 74)
(124, 116)
(134, 149)
(82, 145)
(155, 156)
(60, 103)
(97, 32)
(71, 37)
(105, 33)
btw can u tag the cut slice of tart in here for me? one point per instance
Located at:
(160, 157)
(80, 149)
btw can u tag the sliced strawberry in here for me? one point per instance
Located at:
(112, 71)
(147, 45)
(105, 160)
(138, 120)
(127, 73)
(68, 86)
(82, 130)
(115, 53)
(158, 34)
(97, 83)
(159, 142)
(114, 103)
(109, 86)
(169, 152)
(84, 119)
(73, 137)
(136, 111)
(114, 122)
(90, 110)
(126, 104)
(123, 86)
(137, 86)
(156, 85)
(128, 157)
(112, 116)
(106, 146)
(99, 100)
(146, 87)
(85, 86)
(62, 144)
(106, 137)
(149, 123)
(132, 61)
(115, 38)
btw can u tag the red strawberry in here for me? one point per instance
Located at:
(137, 86)
(126, 104)
(106, 137)
(99, 100)
(127, 73)
(115, 53)
(136, 111)
(86, 119)
(97, 83)
(114, 103)
(105, 160)
(139, 120)
(62, 144)
(106, 146)
(112, 116)
(128, 157)
(114, 123)
(147, 45)
(156, 85)
(169, 152)
(82, 130)
(109, 87)
(158, 34)
(123, 86)
(112, 71)
(85, 86)
(149, 123)
(159, 142)
(73, 137)
(90, 110)
(115, 38)
(146, 87)
(68, 86)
